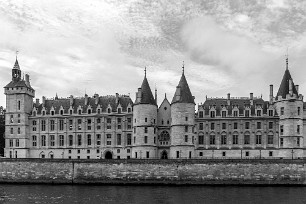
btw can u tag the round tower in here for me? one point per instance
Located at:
(144, 124)
(289, 106)
(182, 121)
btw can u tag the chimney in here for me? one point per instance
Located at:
(71, 100)
(178, 93)
(271, 94)
(138, 95)
(228, 99)
(86, 99)
(37, 102)
(297, 88)
(251, 98)
(155, 95)
(96, 96)
(43, 100)
(117, 98)
(290, 87)
(27, 79)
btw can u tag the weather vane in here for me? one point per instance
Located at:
(16, 53)
(183, 67)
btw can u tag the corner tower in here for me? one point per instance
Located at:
(144, 124)
(182, 121)
(19, 104)
(289, 106)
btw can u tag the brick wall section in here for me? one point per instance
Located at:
(154, 171)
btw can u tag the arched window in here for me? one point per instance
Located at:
(109, 110)
(223, 138)
(247, 138)
(119, 110)
(164, 136)
(258, 138)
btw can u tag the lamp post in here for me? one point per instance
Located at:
(292, 153)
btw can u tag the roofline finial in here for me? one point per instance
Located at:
(183, 67)
(16, 53)
(145, 71)
(287, 55)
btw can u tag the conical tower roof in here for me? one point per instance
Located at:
(284, 86)
(183, 91)
(16, 65)
(146, 93)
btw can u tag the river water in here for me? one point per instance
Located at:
(149, 194)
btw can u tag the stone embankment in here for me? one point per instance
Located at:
(204, 172)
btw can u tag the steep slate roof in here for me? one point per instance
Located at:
(284, 86)
(104, 101)
(185, 94)
(146, 93)
(16, 84)
(241, 103)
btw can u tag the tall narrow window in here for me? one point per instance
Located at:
(281, 130)
(79, 140)
(61, 124)
(299, 110)
(212, 126)
(235, 126)
(212, 114)
(52, 140)
(186, 128)
(223, 126)
(146, 130)
(88, 140)
(201, 127)
(235, 139)
(281, 142)
(247, 113)
(201, 139)
(146, 139)
(61, 140)
(223, 139)
(18, 105)
(247, 138)
(270, 112)
(258, 139)
(212, 139)
(52, 125)
(43, 125)
(70, 140)
(258, 125)
(270, 139)
(98, 139)
(186, 138)
(258, 112)
(17, 143)
(247, 125)
(43, 140)
(18, 130)
(129, 139)
(201, 114)
(34, 140)
(270, 125)
(282, 111)
(298, 129)
(118, 139)
(223, 114)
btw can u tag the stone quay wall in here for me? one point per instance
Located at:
(176, 172)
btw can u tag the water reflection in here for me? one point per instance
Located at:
(149, 194)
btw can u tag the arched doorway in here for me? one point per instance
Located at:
(164, 155)
(108, 155)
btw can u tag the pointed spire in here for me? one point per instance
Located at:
(146, 96)
(287, 56)
(183, 93)
(165, 95)
(155, 94)
(56, 97)
(145, 72)
(183, 67)
(284, 87)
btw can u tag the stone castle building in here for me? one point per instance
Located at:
(105, 127)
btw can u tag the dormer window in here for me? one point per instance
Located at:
(119, 110)
(89, 111)
(99, 111)
(235, 114)
(223, 114)
(201, 114)
(270, 112)
(212, 114)
(80, 112)
(70, 112)
(52, 112)
(62, 112)
(34, 113)
(258, 112)
(247, 113)
(109, 110)
(43, 113)
(129, 110)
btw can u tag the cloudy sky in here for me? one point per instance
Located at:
(234, 46)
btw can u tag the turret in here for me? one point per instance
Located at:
(182, 121)
(144, 124)
(289, 106)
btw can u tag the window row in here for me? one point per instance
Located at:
(79, 111)
(77, 140)
(282, 110)
(224, 139)
(79, 123)
(235, 113)
(235, 125)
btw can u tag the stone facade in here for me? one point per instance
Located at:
(113, 127)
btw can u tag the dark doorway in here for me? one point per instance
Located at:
(108, 155)
(164, 155)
